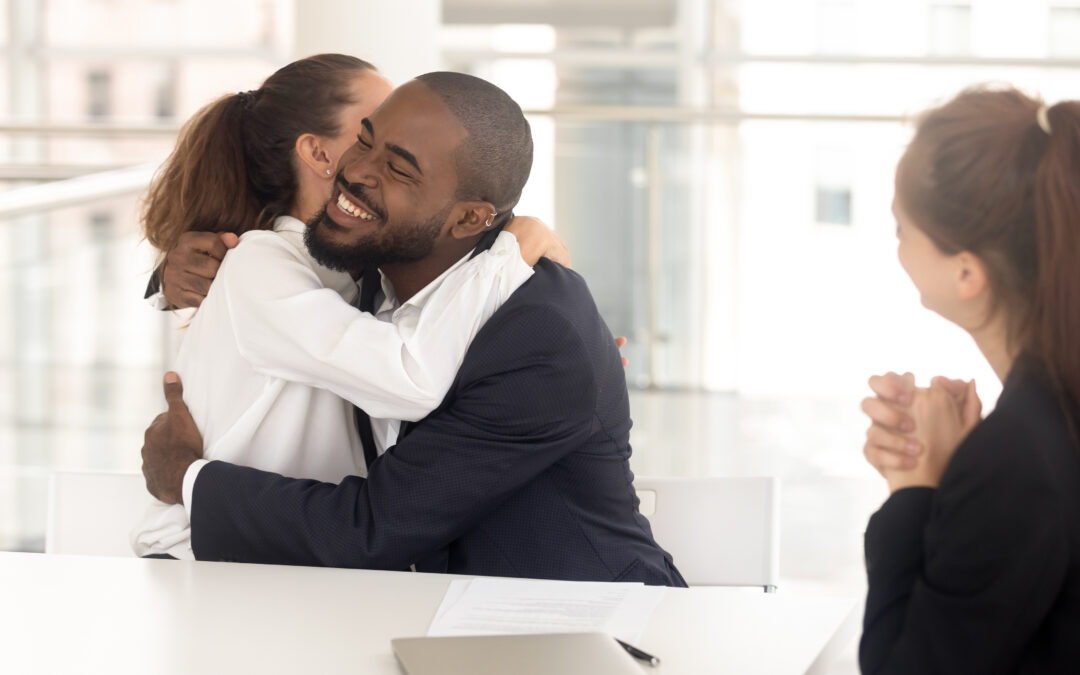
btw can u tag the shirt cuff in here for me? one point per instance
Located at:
(189, 483)
(158, 301)
(505, 251)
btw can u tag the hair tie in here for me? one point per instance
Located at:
(1043, 118)
(247, 98)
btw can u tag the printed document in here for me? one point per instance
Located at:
(517, 606)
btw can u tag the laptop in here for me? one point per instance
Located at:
(537, 654)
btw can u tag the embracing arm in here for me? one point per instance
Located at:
(287, 325)
(965, 590)
(520, 408)
(183, 279)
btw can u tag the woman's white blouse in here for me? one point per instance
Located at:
(277, 354)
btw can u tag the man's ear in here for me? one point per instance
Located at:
(469, 219)
(971, 278)
(312, 154)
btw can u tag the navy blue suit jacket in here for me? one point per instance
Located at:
(522, 471)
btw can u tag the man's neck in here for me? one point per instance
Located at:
(410, 278)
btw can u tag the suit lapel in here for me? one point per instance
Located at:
(369, 289)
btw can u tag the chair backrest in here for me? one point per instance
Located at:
(720, 531)
(93, 513)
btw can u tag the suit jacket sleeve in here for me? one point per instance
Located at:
(523, 400)
(960, 580)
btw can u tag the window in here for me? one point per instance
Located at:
(834, 205)
(99, 94)
(837, 27)
(165, 92)
(1065, 32)
(950, 29)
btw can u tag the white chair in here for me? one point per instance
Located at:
(92, 513)
(720, 531)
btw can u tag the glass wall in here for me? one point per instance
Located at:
(86, 87)
(721, 170)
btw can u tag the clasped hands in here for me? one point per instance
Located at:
(914, 431)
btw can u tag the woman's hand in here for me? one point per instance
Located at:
(887, 444)
(943, 414)
(620, 342)
(536, 240)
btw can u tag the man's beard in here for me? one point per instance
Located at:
(402, 243)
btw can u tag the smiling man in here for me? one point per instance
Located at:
(523, 469)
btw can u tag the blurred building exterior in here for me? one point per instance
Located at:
(721, 170)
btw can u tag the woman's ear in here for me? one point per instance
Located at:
(312, 154)
(971, 278)
(471, 219)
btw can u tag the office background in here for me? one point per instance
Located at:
(721, 170)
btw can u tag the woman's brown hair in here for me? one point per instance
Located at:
(233, 168)
(994, 173)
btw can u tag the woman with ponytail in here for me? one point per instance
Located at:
(260, 382)
(973, 562)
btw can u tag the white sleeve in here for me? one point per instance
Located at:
(188, 487)
(288, 325)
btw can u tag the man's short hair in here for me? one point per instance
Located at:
(495, 159)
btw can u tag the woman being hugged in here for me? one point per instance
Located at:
(277, 354)
(973, 562)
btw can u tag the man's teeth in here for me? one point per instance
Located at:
(352, 209)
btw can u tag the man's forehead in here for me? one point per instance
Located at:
(414, 110)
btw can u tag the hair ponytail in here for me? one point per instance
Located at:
(233, 168)
(1055, 329)
(203, 185)
(984, 175)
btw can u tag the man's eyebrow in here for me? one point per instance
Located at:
(406, 155)
(367, 125)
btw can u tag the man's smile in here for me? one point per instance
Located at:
(355, 210)
(347, 210)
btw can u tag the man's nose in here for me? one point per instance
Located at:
(360, 170)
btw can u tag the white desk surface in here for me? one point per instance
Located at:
(74, 614)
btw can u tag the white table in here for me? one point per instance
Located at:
(74, 614)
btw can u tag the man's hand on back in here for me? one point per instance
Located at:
(170, 445)
(191, 266)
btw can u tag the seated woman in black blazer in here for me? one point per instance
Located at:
(974, 560)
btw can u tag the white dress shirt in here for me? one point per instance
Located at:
(277, 353)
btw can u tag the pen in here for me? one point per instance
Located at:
(638, 654)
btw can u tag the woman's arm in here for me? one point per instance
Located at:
(961, 576)
(288, 326)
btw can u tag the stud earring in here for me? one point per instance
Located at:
(328, 172)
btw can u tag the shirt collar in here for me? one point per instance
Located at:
(418, 301)
(289, 224)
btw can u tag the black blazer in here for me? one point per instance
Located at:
(982, 575)
(522, 471)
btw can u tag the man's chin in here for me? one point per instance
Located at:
(328, 253)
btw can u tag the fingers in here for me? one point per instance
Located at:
(884, 415)
(972, 410)
(185, 298)
(558, 252)
(957, 388)
(188, 267)
(229, 239)
(893, 387)
(620, 342)
(887, 460)
(174, 392)
(209, 244)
